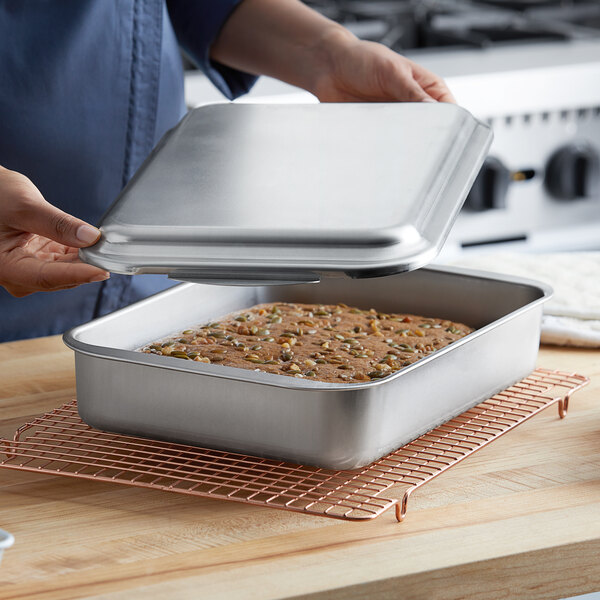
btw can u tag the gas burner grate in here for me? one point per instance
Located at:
(416, 24)
(59, 443)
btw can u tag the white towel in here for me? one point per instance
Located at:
(567, 331)
(572, 315)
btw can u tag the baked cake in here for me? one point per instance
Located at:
(335, 343)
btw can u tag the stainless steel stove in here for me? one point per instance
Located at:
(530, 68)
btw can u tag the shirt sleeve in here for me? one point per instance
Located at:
(197, 24)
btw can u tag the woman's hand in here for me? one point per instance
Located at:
(360, 71)
(289, 41)
(39, 242)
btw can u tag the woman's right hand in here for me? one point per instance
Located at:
(39, 242)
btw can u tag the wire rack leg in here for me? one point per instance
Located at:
(563, 404)
(402, 505)
(8, 448)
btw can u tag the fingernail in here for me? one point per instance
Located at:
(87, 234)
(102, 277)
(429, 100)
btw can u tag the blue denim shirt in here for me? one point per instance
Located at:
(87, 88)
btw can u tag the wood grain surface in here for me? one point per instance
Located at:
(519, 518)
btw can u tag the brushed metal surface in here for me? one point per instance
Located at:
(277, 189)
(332, 425)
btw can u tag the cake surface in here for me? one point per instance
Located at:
(333, 343)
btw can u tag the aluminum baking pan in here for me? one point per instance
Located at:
(333, 425)
(246, 193)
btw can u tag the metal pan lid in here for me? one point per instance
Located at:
(255, 194)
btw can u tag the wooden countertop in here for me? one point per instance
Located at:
(520, 517)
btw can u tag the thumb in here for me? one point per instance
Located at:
(51, 222)
(413, 92)
(26, 210)
(404, 87)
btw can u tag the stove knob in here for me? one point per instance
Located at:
(490, 187)
(573, 172)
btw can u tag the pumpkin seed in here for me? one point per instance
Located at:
(360, 376)
(376, 374)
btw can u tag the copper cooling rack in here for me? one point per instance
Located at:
(59, 443)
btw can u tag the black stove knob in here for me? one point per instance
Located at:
(573, 172)
(490, 187)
